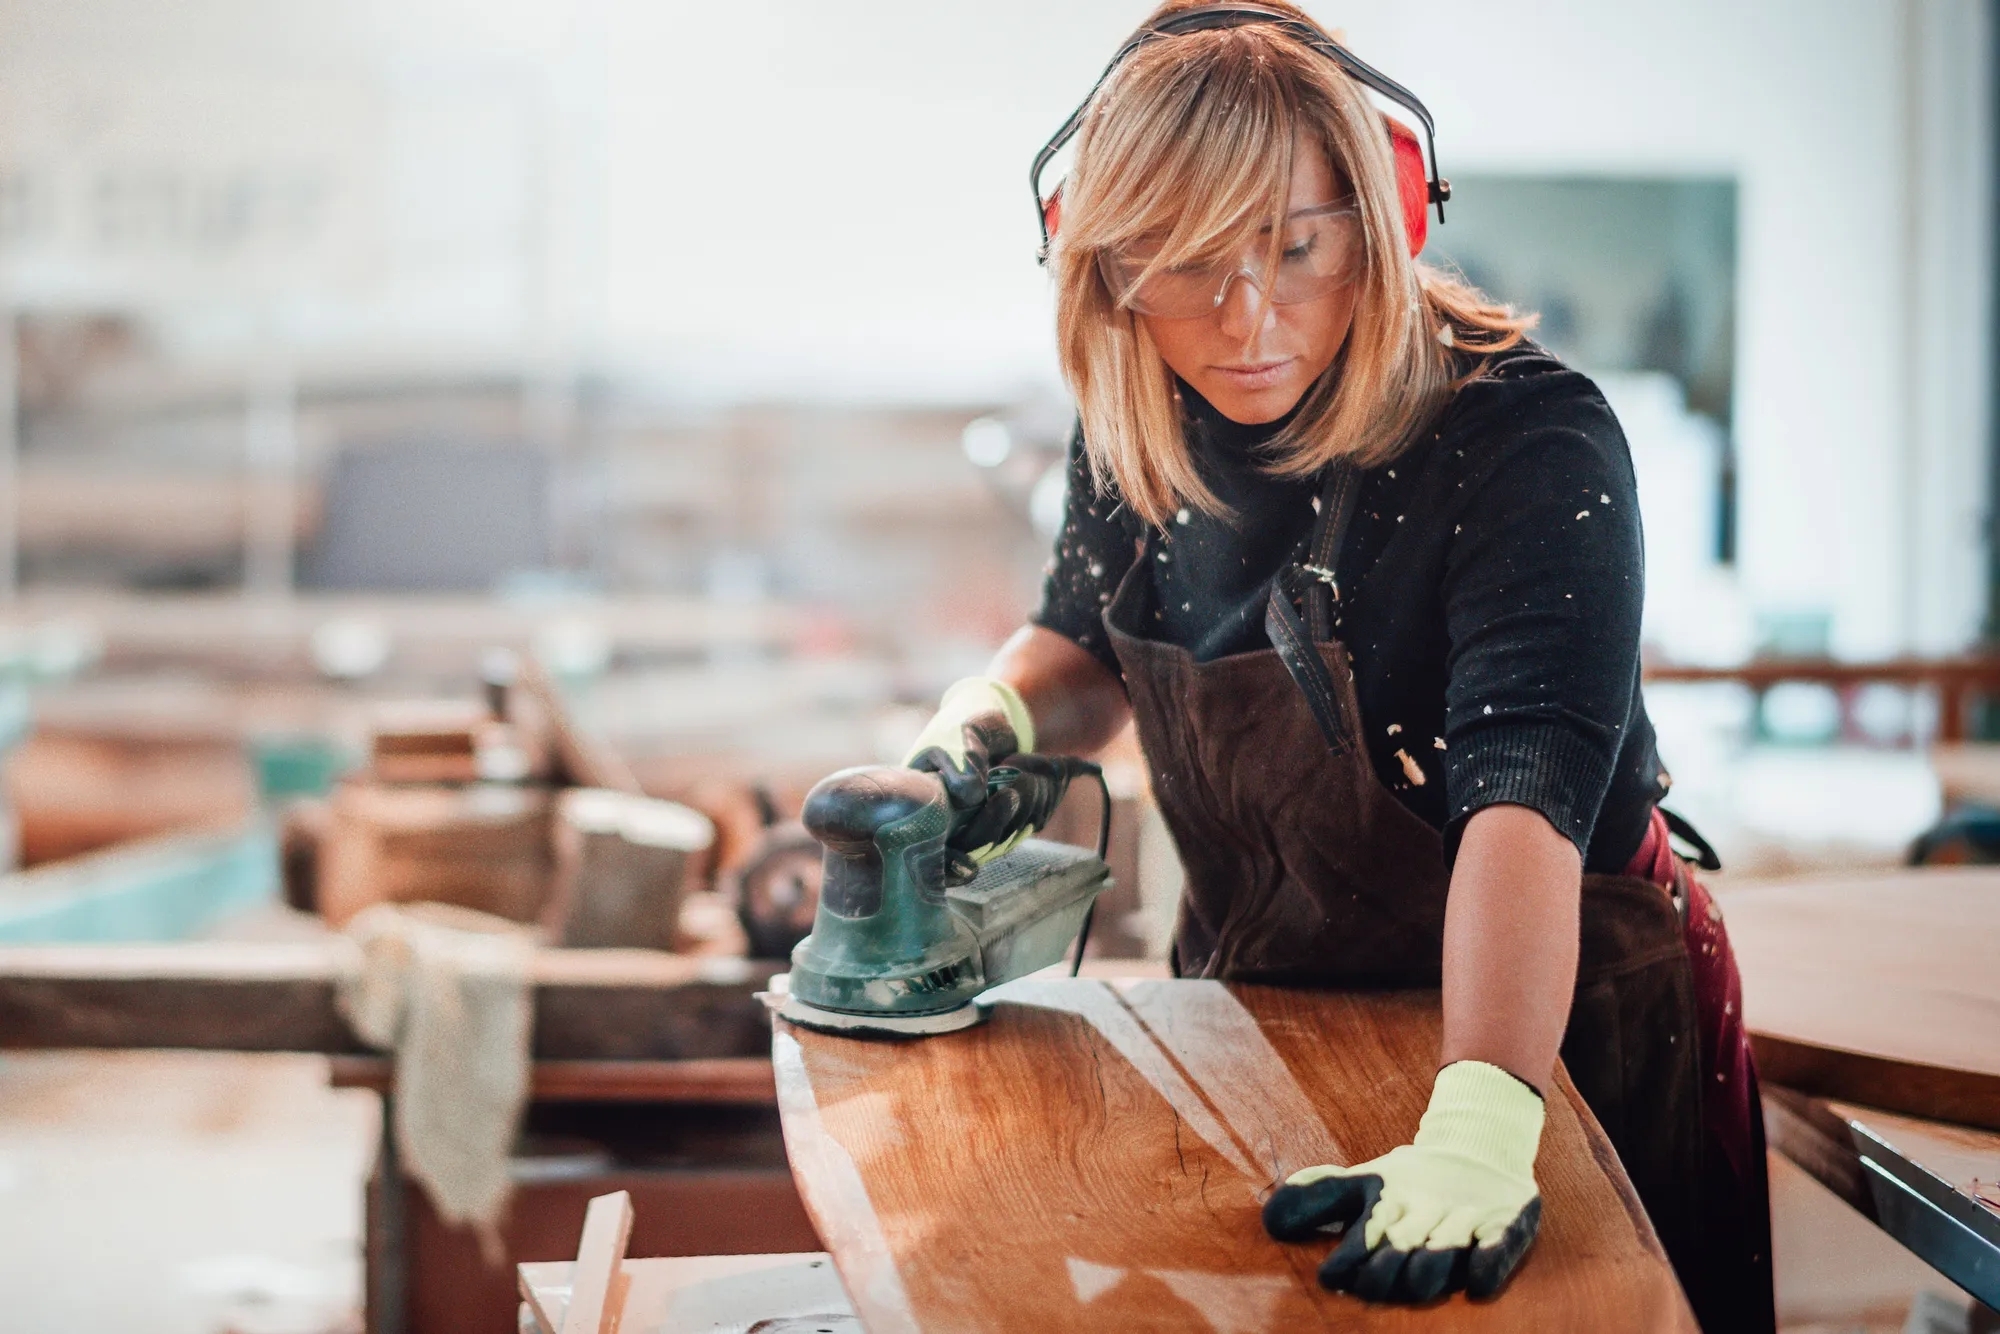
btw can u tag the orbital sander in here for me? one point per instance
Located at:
(909, 928)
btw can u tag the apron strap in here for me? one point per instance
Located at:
(1300, 654)
(1313, 580)
(1320, 560)
(1705, 856)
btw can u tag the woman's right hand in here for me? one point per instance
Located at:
(981, 721)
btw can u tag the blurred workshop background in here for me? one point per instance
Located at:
(361, 361)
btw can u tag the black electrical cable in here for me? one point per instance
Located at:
(1103, 850)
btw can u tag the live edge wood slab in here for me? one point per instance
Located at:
(590, 1005)
(1096, 1155)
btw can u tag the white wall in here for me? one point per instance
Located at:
(877, 164)
(364, 176)
(797, 199)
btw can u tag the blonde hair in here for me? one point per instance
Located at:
(1191, 140)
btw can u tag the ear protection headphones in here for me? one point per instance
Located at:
(1419, 187)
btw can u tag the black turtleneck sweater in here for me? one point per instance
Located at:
(1491, 586)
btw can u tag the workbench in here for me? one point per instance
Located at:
(1096, 1155)
(1873, 1003)
(651, 1074)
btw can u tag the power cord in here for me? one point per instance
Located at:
(1103, 850)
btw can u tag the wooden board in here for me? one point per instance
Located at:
(728, 1081)
(1095, 1156)
(596, 1281)
(73, 792)
(1879, 989)
(596, 1005)
(712, 1294)
(485, 847)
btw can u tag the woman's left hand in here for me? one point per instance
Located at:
(1456, 1208)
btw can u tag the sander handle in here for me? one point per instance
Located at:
(1022, 792)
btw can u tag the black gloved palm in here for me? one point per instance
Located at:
(1021, 797)
(983, 742)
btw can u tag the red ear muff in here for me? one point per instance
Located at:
(1413, 183)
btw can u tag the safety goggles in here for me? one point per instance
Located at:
(1322, 250)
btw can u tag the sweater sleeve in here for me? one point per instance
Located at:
(1094, 549)
(1543, 590)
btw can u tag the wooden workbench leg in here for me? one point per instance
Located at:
(387, 1251)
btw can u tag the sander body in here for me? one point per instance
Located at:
(908, 931)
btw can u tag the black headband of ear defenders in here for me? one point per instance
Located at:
(1236, 16)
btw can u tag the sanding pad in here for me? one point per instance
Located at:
(794, 1010)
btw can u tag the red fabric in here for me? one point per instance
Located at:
(1731, 1107)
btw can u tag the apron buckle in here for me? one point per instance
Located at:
(1325, 576)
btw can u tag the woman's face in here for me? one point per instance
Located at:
(1255, 365)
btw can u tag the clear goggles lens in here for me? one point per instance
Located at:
(1321, 252)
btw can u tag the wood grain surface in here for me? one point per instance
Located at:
(1879, 989)
(1096, 1155)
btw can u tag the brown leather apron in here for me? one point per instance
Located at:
(1303, 869)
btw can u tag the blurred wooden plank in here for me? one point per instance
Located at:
(483, 846)
(596, 1294)
(75, 793)
(589, 1004)
(581, 760)
(1879, 989)
(1096, 1156)
(727, 1080)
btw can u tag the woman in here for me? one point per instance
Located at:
(1458, 785)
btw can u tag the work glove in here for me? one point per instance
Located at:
(980, 722)
(1034, 787)
(1456, 1208)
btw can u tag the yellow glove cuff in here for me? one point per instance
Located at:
(968, 699)
(1485, 1114)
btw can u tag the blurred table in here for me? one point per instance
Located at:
(1880, 989)
(1873, 1002)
